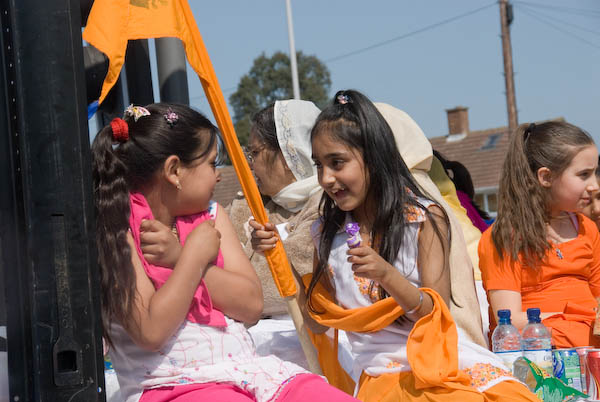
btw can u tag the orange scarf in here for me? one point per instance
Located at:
(432, 346)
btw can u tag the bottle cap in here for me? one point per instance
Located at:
(533, 315)
(503, 316)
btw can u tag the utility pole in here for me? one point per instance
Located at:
(294, 66)
(506, 17)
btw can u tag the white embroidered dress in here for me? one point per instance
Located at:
(199, 354)
(384, 351)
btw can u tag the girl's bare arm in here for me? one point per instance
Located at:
(236, 289)
(433, 269)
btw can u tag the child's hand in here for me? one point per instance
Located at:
(263, 237)
(204, 242)
(366, 263)
(159, 244)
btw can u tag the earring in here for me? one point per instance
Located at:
(178, 185)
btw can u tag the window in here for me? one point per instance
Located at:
(491, 142)
(479, 200)
(492, 203)
(487, 199)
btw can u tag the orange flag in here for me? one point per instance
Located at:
(112, 23)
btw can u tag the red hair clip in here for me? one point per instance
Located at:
(120, 129)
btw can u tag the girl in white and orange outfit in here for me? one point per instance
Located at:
(390, 294)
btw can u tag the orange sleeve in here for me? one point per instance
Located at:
(593, 237)
(497, 273)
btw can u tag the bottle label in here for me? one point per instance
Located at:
(508, 358)
(542, 358)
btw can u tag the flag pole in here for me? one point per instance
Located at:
(109, 28)
(293, 63)
(277, 258)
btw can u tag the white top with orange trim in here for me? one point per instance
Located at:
(384, 351)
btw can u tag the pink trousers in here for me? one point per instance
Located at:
(304, 387)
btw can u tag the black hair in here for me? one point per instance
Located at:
(128, 166)
(462, 181)
(355, 121)
(263, 126)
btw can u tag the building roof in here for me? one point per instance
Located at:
(482, 152)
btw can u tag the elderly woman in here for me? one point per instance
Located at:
(279, 153)
(417, 153)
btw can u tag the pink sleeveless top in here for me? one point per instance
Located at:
(201, 310)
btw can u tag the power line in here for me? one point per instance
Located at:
(566, 23)
(406, 35)
(540, 19)
(388, 41)
(576, 11)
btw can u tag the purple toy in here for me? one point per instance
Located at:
(353, 230)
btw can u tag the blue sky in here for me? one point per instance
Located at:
(556, 62)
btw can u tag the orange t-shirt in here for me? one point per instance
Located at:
(567, 281)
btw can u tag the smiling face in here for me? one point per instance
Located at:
(341, 172)
(572, 190)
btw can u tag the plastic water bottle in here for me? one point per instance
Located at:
(537, 341)
(506, 340)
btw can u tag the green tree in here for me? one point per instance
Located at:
(270, 79)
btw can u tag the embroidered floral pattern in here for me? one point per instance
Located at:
(414, 214)
(330, 270)
(364, 284)
(392, 365)
(483, 373)
(286, 142)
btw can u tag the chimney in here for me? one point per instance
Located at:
(458, 122)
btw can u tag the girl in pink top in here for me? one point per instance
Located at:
(175, 316)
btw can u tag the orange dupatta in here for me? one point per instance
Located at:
(432, 344)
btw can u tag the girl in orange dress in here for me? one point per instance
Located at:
(541, 252)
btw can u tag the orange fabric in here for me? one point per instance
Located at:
(402, 387)
(364, 319)
(112, 23)
(569, 285)
(327, 349)
(432, 346)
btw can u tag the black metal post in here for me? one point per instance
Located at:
(47, 245)
(139, 75)
(172, 77)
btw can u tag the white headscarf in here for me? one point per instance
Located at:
(294, 119)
